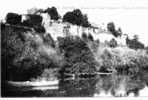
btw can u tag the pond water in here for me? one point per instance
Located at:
(105, 85)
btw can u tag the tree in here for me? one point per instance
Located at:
(53, 13)
(85, 21)
(136, 37)
(48, 40)
(111, 28)
(84, 36)
(119, 31)
(134, 43)
(13, 18)
(77, 18)
(90, 37)
(33, 20)
(21, 59)
(78, 56)
(113, 43)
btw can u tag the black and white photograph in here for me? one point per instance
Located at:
(74, 48)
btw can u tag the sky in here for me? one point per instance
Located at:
(130, 15)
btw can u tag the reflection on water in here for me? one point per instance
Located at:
(79, 87)
(104, 85)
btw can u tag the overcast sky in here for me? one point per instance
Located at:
(130, 15)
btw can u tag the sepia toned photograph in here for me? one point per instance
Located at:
(74, 48)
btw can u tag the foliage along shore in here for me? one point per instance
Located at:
(28, 54)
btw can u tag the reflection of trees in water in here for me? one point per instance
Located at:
(104, 83)
(78, 87)
(119, 85)
(49, 93)
(114, 84)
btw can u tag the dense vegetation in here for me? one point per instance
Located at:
(29, 55)
(53, 13)
(13, 18)
(79, 58)
(134, 43)
(77, 18)
(25, 56)
(111, 27)
(123, 61)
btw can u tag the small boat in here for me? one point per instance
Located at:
(34, 83)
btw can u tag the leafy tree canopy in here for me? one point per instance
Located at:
(77, 54)
(77, 18)
(111, 28)
(53, 13)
